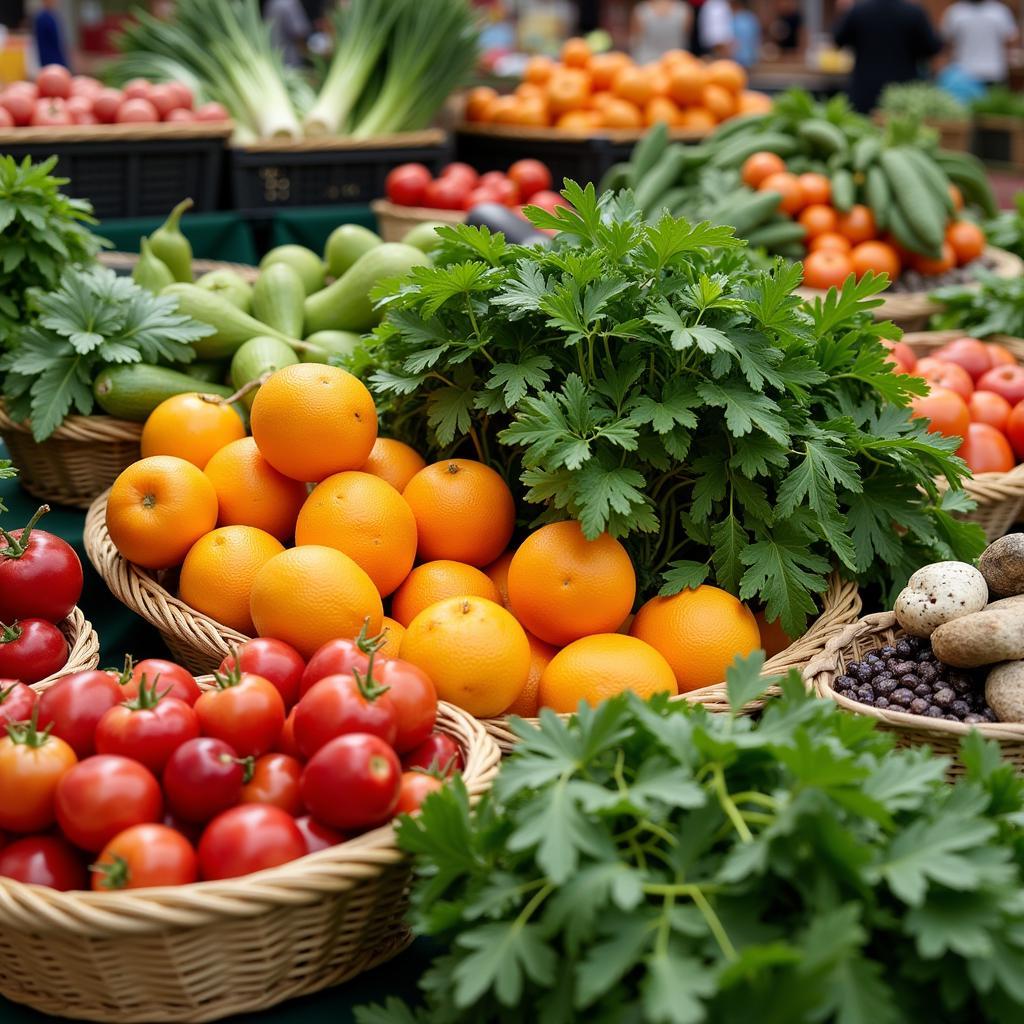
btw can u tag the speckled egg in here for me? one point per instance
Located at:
(1004, 691)
(939, 593)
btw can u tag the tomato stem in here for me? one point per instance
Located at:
(17, 546)
(27, 732)
(9, 634)
(114, 873)
(368, 686)
(147, 697)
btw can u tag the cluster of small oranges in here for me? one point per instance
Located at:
(585, 91)
(499, 628)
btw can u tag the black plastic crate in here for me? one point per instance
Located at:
(999, 140)
(328, 171)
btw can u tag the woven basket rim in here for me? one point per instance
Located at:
(389, 209)
(94, 428)
(314, 143)
(83, 648)
(116, 260)
(163, 131)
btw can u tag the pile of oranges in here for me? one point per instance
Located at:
(840, 244)
(585, 91)
(424, 552)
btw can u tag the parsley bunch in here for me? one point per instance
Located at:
(647, 381)
(93, 319)
(997, 307)
(656, 863)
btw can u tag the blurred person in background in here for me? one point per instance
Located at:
(658, 26)
(746, 30)
(290, 29)
(979, 34)
(715, 28)
(48, 33)
(545, 24)
(786, 30)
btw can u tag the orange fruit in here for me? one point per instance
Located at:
(473, 649)
(877, 257)
(697, 119)
(818, 219)
(464, 511)
(538, 69)
(158, 508)
(394, 461)
(720, 102)
(773, 639)
(686, 81)
(393, 632)
(312, 594)
(830, 240)
(827, 268)
(604, 67)
(562, 586)
(568, 89)
(728, 75)
(193, 427)
(659, 81)
(527, 704)
(672, 57)
(858, 225)
(618, 113)
(311, 420)
(479, 102)
(966, 239)
(533, 110)
(599, 99)
(932, 267)
(575, 53)
(597, 667)
(700, 632)
(218, 572)
(788, 187)
(367, 519)
(505, 110)
(957, 196)
(580, 121)
(661, 109)
(437, 581)
(530, 90)
(250, 492)
(634, 84)
(498, 572)
(816, 188)
(761, 165)
(749, 102)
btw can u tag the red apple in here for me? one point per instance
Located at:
(50, 112)
(973, 355)
(106, 103)
(136, 110)
(137, 89)
(212, 112)
(1007, 381)
(54, 80)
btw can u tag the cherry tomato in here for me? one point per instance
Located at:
(413, 697)
(446, 194)
(416, 787)
(279, 663)
(531, 176)
(144, 856)
(948, 375)
(31, 649)
(548, 200)
(479, 196)
(1007, 381)
(986, 450)
(245, 710)
(171, 679)
(437, 753)
(1001, 355)
(464, 173)
(148, 729)
(40, 574)
(365, 769)
(104, 795)
(204, 777)
(1015, 429)
(32, 764)
(16, 701)
(334, 658)
(405, 184)
(343, 704)
(44, 860)
(988, 407)
(946, 410)
(318, 837)
(506, 191)
(286, 741)
(902, 355)
(973, 355)
(275, 781)
(75, 704)
(249, 838)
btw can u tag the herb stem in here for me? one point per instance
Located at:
(731, 810)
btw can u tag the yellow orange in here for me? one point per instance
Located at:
(393, 632)
(436, 581)
(527, 704)
(498, 572)
(193, 427)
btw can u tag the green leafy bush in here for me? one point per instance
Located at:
(996, 307)
(922, 101)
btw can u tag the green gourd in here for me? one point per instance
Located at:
(150, 271)
(171, 247)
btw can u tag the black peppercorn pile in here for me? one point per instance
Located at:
(906, 676)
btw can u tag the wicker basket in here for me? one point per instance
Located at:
(870, 633)
(124, 263)
(83, 648)
(1000, 496)
(206, 951)
(841, 606)
(394, 222)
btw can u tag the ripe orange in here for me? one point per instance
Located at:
(527, 704)
(830, 240)
(700, 632)
(659, 81)
(619, 113)
(827, 268)
(575, 53)
(877, 257)
(311, 420)
(393, 632)
(788, 186)
(761, 165)
(816, 188)
(633, 84)
(661, 109)
(750, 102)
(957, 196)
(505, 110)
(309, 595)
(218, 572)
(367, 519)
(498, 572)
(192, 427)
(697, 119)
(720, 102)
(773, 639)
(580, 121)
(604, 67)
(858, 225)
(538, 69)
(250, 492)
(158, 508)
(686, 81)
(818, 219)
(474, 650)
(394, 461)
(533, 110)
(437, 581)
(530, 90)
(728, 75)
(597, 667)
(479, 102)
(464, 511)
(932, 267)
(568, 89)
(966, 239)
(562, 586)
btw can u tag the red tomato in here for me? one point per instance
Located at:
(204, 777)
(480, 195)
(245, 710)
(54, 80)
(275, 781)
(212, 112)
(136, 111)
(973, 355)
(169, 679)
(464, 173)
(32, 764)
(19, 104)
(362, 767)
(988, 407)
(318, 837)
(31, 649)
(104, 795)
(405, 184)
(144, 856)
(334, 658)
(1015, 429)
(85, 85)
(44, 860)
(437, 753)
(416, 787)
(286, 741)
(184, 94)
(180, 114)
(547, 200)
(902, 355)
(80, 109)
(948, 375)
(531, 176)
(164, 97)
(137, 89)
(946, 410)
(106, 103)
(279, 663)
(75, 704)
(49, 113)
(446, 194)
(6, 120)
(148, 729)
(340, 704)
(986, 450)
(1007, 381)
(16, 701)
(414, 698)
(249, 838)
(1001, 355)
(40, 574)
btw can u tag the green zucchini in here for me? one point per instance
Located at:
(228, 285)
(277, 299)
(303, 261)
(131, 391)
(255, 358)
(346, 244)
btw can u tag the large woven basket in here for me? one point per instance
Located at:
(394, 222)
(83, 648)
(870, 633)
(1000, 496)
(206, 951)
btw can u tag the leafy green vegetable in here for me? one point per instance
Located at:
(7, 472)
(1000, 102)
(997, 307)
(93, 319)
(922, 100)
(654, 862)
(646, 381)
(1006, 229)
(41, 232)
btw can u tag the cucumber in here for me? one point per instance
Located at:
(131, 391)
(736, 151)
(617, 176)
(866, 151)
(822, 136)
(303, 261)
(424, 236)
(228, 285)
(649, 150)
(751, 212)
(330, 343)
(255, 358)
(876, 191)
(844, 193)
(345, 305)
(212, 371)
(277, 299)
(346, 244)
(660, 178)
(770, 236)
(923, 211)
